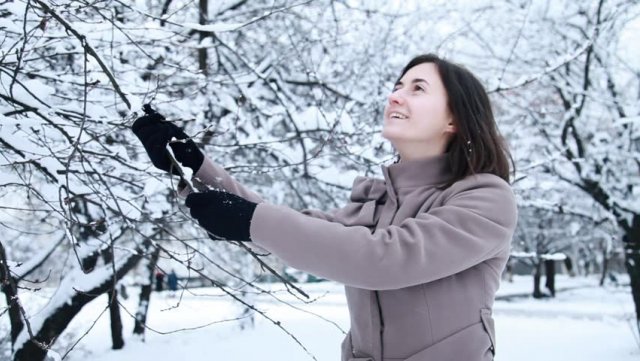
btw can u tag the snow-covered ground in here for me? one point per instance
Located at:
(584, 323)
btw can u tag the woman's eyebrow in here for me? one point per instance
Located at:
(420, 80)
(414, 81)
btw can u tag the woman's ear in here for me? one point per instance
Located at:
(451, 127)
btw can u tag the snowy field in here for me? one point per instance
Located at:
(583, 322)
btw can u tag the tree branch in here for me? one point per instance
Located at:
(88, 48)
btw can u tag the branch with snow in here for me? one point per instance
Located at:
(87, 47)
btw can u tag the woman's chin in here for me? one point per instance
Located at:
(390, 134)
(391, 139)
(387, 133)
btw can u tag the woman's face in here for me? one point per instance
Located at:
(417, 120)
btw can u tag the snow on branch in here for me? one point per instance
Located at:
(75, 290)
(88, 48)
(558, 63)
(22, 270)
(547, 256)
(215, 28)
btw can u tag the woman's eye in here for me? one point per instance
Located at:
(418, 88)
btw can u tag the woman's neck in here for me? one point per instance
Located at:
(409, 152)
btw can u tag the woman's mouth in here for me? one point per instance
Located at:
(397, 115)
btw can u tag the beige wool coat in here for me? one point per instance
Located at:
(421, 265)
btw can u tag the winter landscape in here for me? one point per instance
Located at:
(584, 322)
(100, 259)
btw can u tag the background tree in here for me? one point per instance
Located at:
(587, 125)
(288, 97)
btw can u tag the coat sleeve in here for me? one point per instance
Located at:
(216, 176)
(475, 223)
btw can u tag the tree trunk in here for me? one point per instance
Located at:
(117, 341)
(165, 9)
(116, 321)
(632, 263)
(10, 289)
(536, 279)
(568, 264)
(247, 320)
(605, 265)
(145, 295)
(550, 276)
(202, 52)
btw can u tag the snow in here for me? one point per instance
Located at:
(72, 284)
(214, 28)
(24, 122)
(552, 256)
(585, 323)
(19, 270)
(629, 34)
(153, 186)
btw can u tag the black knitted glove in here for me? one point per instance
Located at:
(155, 132)
(222, 214)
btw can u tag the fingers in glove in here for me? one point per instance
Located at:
(155, 145)
(148, 109)
(154, 122)
(196, 200)
(188, 154)
(147, 121)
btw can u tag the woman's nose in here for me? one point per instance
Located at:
(395, 97)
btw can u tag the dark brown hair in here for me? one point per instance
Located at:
(477, 146)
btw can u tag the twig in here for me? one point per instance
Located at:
(230, 294)
(20, 53)
(88, 48)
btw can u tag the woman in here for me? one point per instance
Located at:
(421, 251)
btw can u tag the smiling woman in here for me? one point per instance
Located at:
(450, 113)
(416, 119)
(421, 251)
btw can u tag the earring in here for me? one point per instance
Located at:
(469, 148)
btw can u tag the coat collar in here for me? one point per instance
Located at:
(416, 173)
(405, 174)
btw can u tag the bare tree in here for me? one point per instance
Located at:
(566, 89)
(256, 95)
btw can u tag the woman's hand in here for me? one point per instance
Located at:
(155, 133)
(222, 214)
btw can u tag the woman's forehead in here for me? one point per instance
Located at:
(425, 71)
